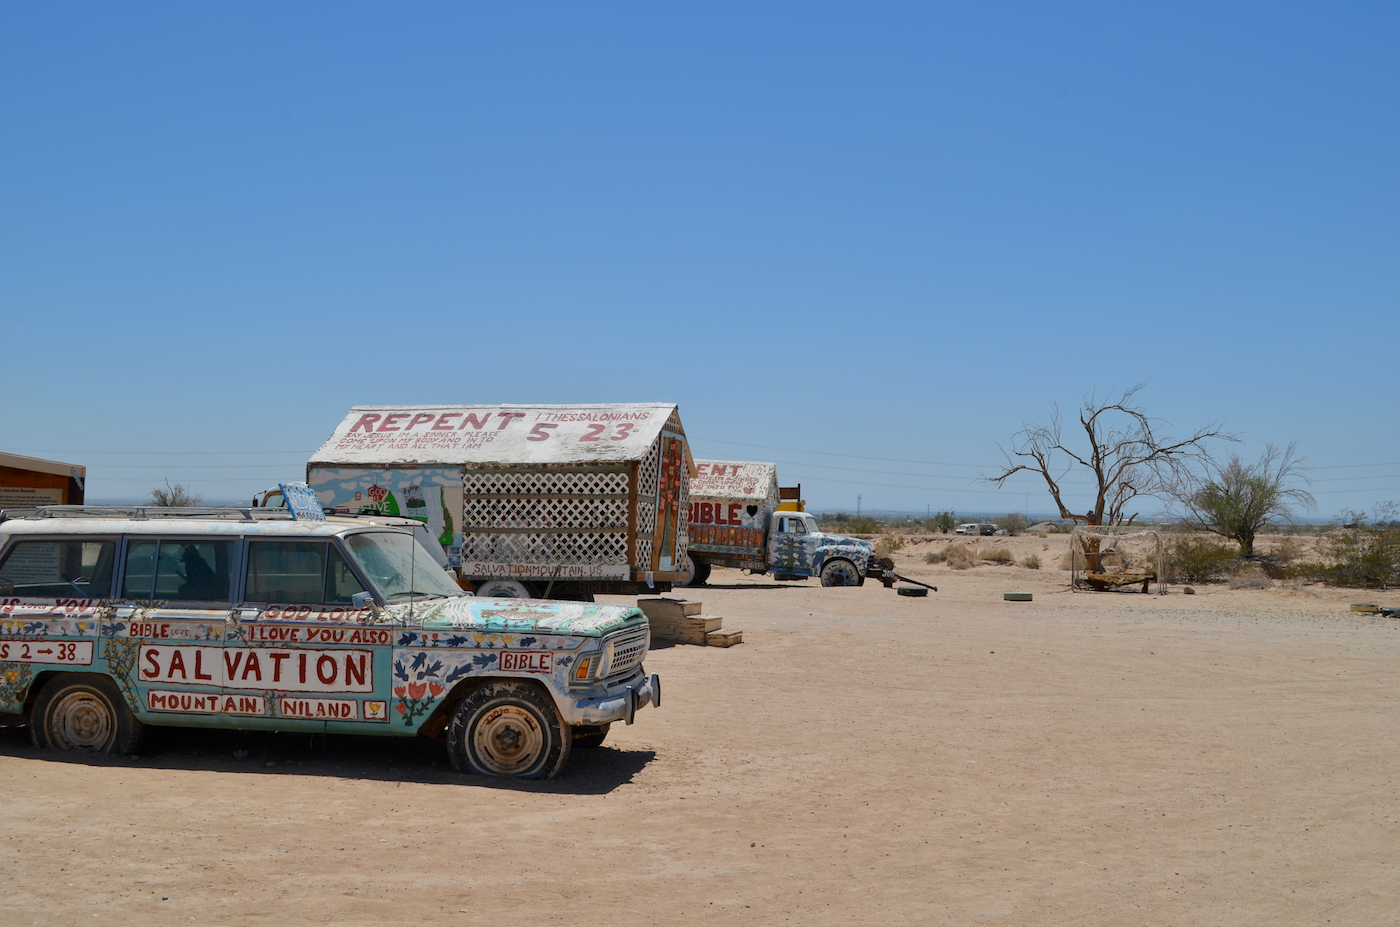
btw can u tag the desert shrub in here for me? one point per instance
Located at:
(1013, 522)
(177, 496)
(1276, 563)
(1363, 555)
(999, 555)
(943, 522)
(1251, 576)
(960, 556)
(845, 523)
(1193, 559)
(1031, 562)
(935, 556)
(887, 544)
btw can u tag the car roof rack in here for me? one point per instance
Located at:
(143, 512)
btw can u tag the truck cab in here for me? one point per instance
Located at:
(797, 549)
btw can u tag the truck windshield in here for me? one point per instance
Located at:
(400, 567)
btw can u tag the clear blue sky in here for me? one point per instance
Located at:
(891, 232)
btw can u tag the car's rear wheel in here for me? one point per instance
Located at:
(509, 730)
(840, 573)
(84, 712)
(697, 572)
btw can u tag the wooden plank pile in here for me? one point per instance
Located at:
(682, 621)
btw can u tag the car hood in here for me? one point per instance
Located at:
(840, 540)
(527, 616)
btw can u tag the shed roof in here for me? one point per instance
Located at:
(415, 436)
(734, 479)
(39, 465)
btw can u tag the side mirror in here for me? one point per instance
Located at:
(362, 600)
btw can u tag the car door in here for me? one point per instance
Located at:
(167, 637)
(304, 648)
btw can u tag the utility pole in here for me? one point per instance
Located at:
(857, 503)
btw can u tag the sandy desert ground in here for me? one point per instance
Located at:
(1225, 758)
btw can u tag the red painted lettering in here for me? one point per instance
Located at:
(536, 434)
(734, 518)
(389, 420)
(507, 418)
(322, 662)
(366, 422)
(474, 420)
(252, 666)
(198, 665)
(420, 419)
(177, 661)
(303, 668)
(277, 659)
(153, 672)
(353, 675)
(442, 424)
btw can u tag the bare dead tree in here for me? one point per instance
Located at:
(1122, 451)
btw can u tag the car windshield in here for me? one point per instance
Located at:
(399, 566)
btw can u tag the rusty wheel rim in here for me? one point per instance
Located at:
(82, 720)
(510, 740)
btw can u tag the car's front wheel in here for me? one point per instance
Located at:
(840, 573)
(84, 712)
(509, 730)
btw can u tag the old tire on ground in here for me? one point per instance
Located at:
(697, 571)
(503, 589)
(587, 737)
(84, 711)
(509, 730)
(841, 573)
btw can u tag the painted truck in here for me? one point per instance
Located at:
(112, 621)
(560, 502)
(740, 517)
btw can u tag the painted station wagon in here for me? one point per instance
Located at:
(115, 619)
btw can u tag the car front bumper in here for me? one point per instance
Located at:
(620, 705)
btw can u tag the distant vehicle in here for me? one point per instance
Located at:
(968, 529)
(740, 517)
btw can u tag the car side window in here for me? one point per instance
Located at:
(285, 572)
(298, 573)
(51, 568)
(341, 583)
(190, 570)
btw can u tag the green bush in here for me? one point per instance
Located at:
(1193, 559)
(1364, 556)
(943, 522)
(888, 544)
(1031, 562)
(999, 555)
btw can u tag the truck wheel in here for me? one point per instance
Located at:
(588, 737)
(502, 589)
(698, 570)
(510, 730)
(83, 711)
(840, 573)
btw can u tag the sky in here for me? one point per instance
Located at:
(866, 241)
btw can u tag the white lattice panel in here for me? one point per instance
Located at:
(545, 513)
(547, 549)
(648, 478)
(644, 546)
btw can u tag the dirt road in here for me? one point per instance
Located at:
(1224, 758)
